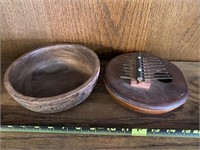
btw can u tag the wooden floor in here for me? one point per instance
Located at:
(100, 110)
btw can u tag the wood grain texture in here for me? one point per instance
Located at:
(168, 28)
(100, 110)
(143, 92)
(54, 78)
(28, 141)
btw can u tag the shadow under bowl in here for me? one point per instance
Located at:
(54, 78)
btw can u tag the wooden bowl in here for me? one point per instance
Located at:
(54, 78)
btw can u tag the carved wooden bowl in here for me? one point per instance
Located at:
(53, 79)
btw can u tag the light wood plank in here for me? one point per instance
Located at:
(107, 26)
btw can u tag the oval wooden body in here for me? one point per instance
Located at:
(156, 98)
(54, 78)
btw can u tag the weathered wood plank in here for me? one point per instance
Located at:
(27, 141)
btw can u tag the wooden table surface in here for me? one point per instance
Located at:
(100, 110)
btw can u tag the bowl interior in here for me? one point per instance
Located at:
(52, 71)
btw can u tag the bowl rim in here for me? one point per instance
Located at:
(62, 96)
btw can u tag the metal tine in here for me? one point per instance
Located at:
(145, 61)
(151, 70)
(155, 69)
(152, 63)
(155, 66)
(162, 74)
(125, 77)
(155, 75)
(126, 65)
(158, 78)
(156, 72)
(149, 59)
(128, 68)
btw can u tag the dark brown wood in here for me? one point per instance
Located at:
(33, 141)
(53, 78)
(169, 27)
(152, 95)
(100, 110)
